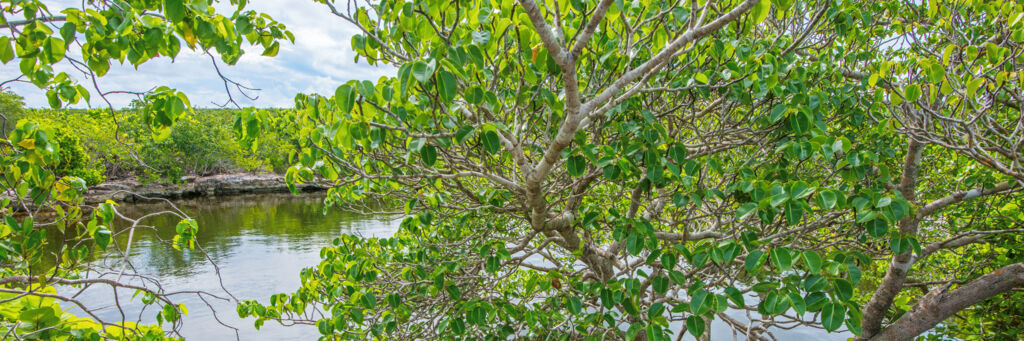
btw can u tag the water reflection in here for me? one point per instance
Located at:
(260, 244)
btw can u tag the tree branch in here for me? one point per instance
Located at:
(961, 196)
(874, 311)
(940, 304)
(15, 23)
(588, 31)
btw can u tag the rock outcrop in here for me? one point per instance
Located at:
(192, 187)
(131, 190)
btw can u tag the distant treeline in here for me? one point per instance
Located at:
(97, 147)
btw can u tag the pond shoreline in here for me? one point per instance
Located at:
(229, 184)
(131, 190)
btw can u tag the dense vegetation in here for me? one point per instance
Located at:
(586, 169)
(202, 142)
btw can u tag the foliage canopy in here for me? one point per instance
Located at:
(613, 169)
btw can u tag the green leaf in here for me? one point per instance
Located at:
(782, 258)
(973, 86)
(668, 261)
(700, 302)
(174, 10)
(464, 133)
(774, 304)
(754, 260)
(368, 301)
(800, 122)
(492, 264)
(6, 51)
(797, 303)
(843, 289)
(678, 277)
(794, 212)
(577, 165)
(778, 111)
(490, 141)
(405, 79)
(677, 152)
(899, 245)
(271, 51)
(52, 99)
(660, 284)
(832, 316)
(828, 199)
(912, 92)
(344, 97)
(695, 325)
(367, 90)
(422, 71)
(745, 210)
(634, 330)
(814, 283)
(447, 85)
(655, 310)
(701, 78)
(878, 228)
(812, 260)
(606, 299)
(778, 199)
(575, 305)
(800, 190)
(102, 237)
(429, 155)
(735, 296)
(761, 10)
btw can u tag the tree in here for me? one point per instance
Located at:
(11, 107)
(634, 169)
(41, 188)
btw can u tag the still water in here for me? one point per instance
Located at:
(259, 243)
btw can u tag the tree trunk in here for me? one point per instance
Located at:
(940, 304)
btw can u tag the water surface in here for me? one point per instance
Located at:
(258, 242)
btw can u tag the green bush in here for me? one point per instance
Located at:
(202, 142)
(73, 158)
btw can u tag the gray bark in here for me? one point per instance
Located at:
(940, 304)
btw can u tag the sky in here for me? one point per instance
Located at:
(319, 61)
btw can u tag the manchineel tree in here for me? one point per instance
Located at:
(634, 170)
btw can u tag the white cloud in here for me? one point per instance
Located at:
(319, 61)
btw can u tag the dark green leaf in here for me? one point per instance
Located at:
(754, 260)
(695, 325)
(878, 228)
(429, 155)
(577, 165)
(832, 315)
(700, 302)
(812, 260)
(447, 85)
(782, 258)
(174, 10)
(490, 141)
(464, 133)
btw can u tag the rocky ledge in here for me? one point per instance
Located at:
(131, 190)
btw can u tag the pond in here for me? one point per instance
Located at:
(259, 243)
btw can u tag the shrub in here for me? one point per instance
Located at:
(74, 161)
